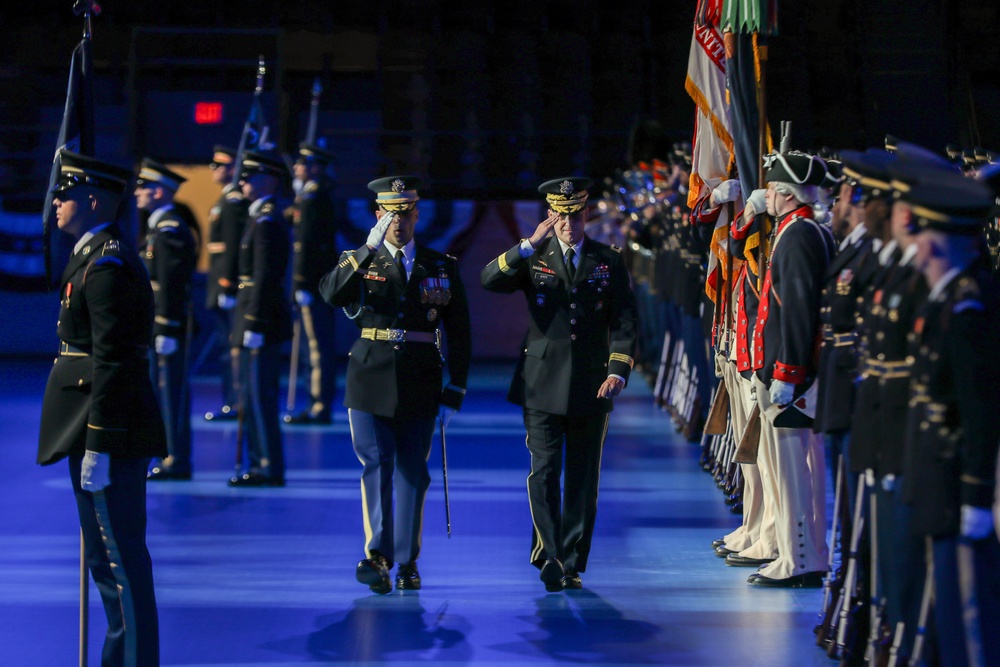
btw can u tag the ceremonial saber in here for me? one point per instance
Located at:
(444, 476)
(293, 367)
(84, 602)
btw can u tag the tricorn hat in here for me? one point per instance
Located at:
(794, 167)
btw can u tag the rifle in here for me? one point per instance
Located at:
(84, 602)
(877, 632)
(661, 374)
(746, 451)
(925, 604)
(846, 630)
(293, 366)
(718, 414)
(822, 629)
(444, 477)
(897, 641)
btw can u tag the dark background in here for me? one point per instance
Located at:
(484, 99)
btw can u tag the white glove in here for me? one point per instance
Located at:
(726, 191)
(165, 345)
(869, 478)
(95, 471)
(377, 235)
(756, 204)
(781, 392)
(889, 483)
(977, 522)
(302, 297)
(445, 415)
(252, 340)
(227, 302)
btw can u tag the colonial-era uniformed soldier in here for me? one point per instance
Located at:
(170, 253)
(400, 295)
(575, 359)
(954, 428)
(313, 254)
(226, 222)
(790, 455)
(99, 410)
(263, 320)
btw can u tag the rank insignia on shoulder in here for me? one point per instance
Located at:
(311, 186)
(111, 246)
(267, 208)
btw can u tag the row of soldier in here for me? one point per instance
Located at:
(857, 331)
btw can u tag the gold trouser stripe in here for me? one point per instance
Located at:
(315, 356)
(121, 577)
(536, 553)
(366, 519)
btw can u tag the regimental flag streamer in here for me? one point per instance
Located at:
(712, 147)
(75, 134)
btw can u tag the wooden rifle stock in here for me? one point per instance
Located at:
(746, 452)
(851, 607)
(718, 414)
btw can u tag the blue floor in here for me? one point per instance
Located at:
(266, 576)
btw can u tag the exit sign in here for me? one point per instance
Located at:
(208, 113)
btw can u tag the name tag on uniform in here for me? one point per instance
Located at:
(546, 278)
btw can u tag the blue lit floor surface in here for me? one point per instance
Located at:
(266, 576)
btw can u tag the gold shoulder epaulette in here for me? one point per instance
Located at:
(311, 186)
(267, 208)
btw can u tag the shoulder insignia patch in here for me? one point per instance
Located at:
(111, 247)
(311, 186)
(267, 208)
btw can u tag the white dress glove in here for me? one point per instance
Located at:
(976, 522)
(252, 340)
(756, 204)
(95, 471)
(227, 302)
(889, 483)
(377, 235)
(445, 414)
(726, 191)
(781, 392)
(303, 298)
(165, 345)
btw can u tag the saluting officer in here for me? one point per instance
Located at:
(576, 357)
(954, 428)
(399, 294)
(226, 222)
(313, 253)
(99, 409)
(263, 319)
(170, 254)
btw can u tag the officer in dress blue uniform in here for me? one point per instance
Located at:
(954, 428)
(226, 222)
(400, 295)
(263, 320)
(99, 410)
(314, 247)
(169, 251)
(576, 357)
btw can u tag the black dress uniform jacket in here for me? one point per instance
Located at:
(170, 256)
(226, 224)
(579, 332)
(99, 396)
(955, 390)
(261, 303)
(847, 278)
(400, 379)
(883, 394)
(315, 235)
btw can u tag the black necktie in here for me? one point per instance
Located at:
(400, 265)
(570, 267)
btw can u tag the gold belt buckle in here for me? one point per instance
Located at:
(395, 335)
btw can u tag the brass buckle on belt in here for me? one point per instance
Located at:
(395, 335)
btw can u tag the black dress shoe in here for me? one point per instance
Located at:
(225, 413)
(551, 575)
(753, 577)
(571, 580)
(807, 580)
(407, 577)
(737, 508)
(736, 560)
(306, 418)
(254, 478)
(160, 474)
(374, 573)
(724, 551)
(721, 542)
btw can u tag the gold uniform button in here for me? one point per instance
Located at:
(79, 383)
